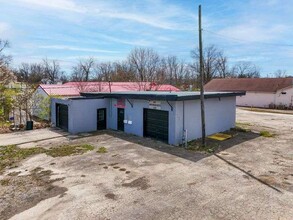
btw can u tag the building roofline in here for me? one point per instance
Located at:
(171, 96)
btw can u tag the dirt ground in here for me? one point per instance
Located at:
(248, 177)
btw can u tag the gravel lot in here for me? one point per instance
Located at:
(249, 177)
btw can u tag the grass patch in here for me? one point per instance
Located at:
(266, 134)
(5, 124)
(67, 150)
(4, 182)
(11, 155)
(240, 129)
(197, 146)
(240, 124)
(102, 150)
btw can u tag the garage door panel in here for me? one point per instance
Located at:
(156, 124)
(157, 127)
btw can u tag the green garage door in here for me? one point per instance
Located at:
(156, 124)
(62, 116)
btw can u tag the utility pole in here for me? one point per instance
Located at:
(201, 69)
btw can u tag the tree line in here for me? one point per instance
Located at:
(141, 65)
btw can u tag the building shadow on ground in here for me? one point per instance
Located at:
(180, 151)
(194, 156)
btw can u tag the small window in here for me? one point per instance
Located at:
(283, 93)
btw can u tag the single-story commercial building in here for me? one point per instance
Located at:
(168, 116)
(260, 92)
(44, 92)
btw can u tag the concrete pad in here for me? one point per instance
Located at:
(139, 178)
(24, 137)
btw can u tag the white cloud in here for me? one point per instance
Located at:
(161, 16)
(140, 42)
(147, 19)
(66, 5)
(254, 32)
(4, 30)
(64, 47)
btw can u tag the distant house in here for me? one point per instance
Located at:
(73, 89)
(260, 92)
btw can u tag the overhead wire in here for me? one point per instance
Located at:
(246, 41)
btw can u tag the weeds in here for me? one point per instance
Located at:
(209, 148)
(240, 129)
(4, 182)
(266, 134)
(11, 155)
(67, 150)
(242, 124)
(102, 150)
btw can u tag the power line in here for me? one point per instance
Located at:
(247, 41)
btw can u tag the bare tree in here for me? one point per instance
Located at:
(83, 70)
(104, 71)
(32, 73)
(145, 63)
(212, 58)
(246, 70)
(6, 74)
(123, 72)
(280, 73)
(174, 69)
(52, 70)
(4, 59)
(222, 66)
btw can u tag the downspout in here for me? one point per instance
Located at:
(184, 135)
(183, 115)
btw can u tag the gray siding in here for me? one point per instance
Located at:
(82, 114)
(220, 116)
(135, 115)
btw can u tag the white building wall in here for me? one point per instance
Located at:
(264, 99)
(256, 99)
(286, 98)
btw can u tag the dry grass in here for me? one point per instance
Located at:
(102, 150)
(266, 134)
(278, 111)
(11, 155)
(67, 150)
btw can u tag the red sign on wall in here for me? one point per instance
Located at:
(120, 103)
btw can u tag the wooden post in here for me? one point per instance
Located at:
(203, 129)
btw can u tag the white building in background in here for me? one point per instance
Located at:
(260, 92)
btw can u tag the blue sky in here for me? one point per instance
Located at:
(67, 30)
